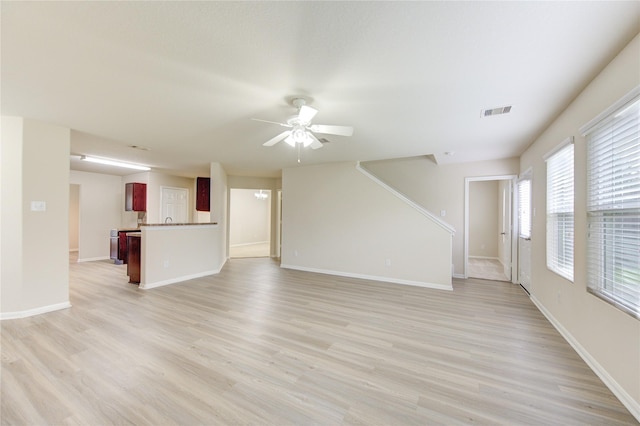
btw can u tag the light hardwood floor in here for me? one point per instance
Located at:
(250, 250)
(261, 345)
(486, 269)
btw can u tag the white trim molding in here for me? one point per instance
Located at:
(93, 259)
(631, 404)
(370, 277)
(513, 207)
(148, 286)
(449, 228)
(34, 311)
(626, 100)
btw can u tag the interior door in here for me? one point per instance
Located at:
(524, 237)
(174, 205)
(504, 224)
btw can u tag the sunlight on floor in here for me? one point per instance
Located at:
(250, 250)
(488, 269)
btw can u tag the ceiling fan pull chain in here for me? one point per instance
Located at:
(298, 146)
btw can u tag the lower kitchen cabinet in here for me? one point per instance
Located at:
(133, 258)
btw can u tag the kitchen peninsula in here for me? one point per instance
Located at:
(175, 252)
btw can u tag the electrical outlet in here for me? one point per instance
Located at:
(165, 263)
(387, 262)
(295, 253)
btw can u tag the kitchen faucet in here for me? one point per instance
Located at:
(168, 219)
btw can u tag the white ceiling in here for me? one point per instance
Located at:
(184, 79)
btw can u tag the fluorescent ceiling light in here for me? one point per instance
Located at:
(113, 163)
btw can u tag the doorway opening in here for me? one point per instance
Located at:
(249, 223)
(489, 246)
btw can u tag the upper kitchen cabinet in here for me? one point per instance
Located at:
(203, 189)
(135, 197)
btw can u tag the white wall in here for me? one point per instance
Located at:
(11, 220)
(608, 338)
(249, 217)
(337, 220)
(101, 207)
(483, 218)
(74, 216)
(440, 187)
(171, 254)
(35, 244)
(219, 210)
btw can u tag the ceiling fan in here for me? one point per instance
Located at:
(302, 131)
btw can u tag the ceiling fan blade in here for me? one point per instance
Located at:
(315, 143)
(277, 139)
(306, 114)
(332, 130)
(272, 122)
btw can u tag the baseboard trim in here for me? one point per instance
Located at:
(93, 259)
(369, 277)
(35, 311)
(459, 276)
(485, 257)
(248, 244)
(631, 404)
(148, 286)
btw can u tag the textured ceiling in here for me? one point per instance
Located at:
(184, 79)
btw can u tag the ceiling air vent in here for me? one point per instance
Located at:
(495, 111)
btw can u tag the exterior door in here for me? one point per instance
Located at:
(174, 205)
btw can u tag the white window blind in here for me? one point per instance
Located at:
(613, 208)
(524, 207)
(560, 211)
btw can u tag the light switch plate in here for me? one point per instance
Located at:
(38, 206)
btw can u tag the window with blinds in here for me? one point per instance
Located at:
(524, 208)
(613, 207)
(560, 210)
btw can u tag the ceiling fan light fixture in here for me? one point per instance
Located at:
(302, 131)
(290, 140)
(299, 134)
(307, 140)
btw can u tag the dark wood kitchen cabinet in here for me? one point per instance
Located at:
(133, 258)
(122, 244)
(203, 190)
(135, 197)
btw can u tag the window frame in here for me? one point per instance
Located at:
(521, 223)
(614, 277)
(560, 214)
